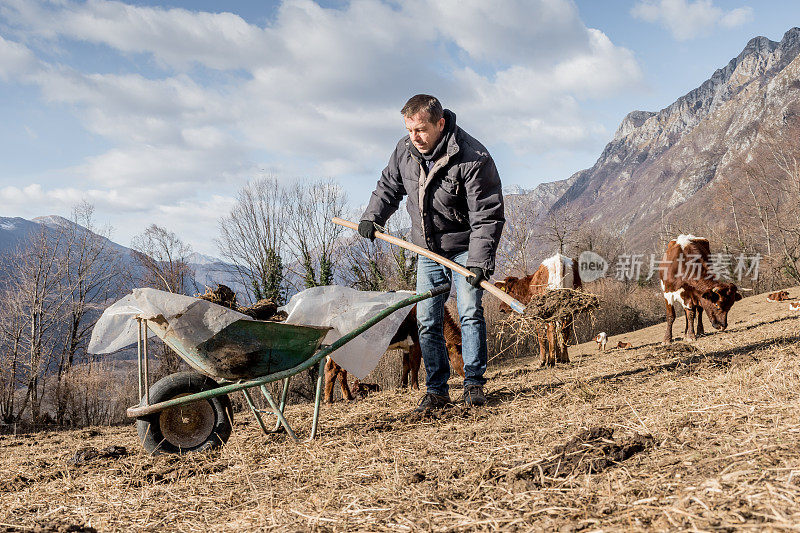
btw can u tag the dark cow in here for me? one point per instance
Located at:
(556, 272)
(407, 340)
(364, 389)
(685, 279)
(624, 345)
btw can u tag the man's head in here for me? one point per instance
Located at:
(424, 120)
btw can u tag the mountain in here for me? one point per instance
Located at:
(663, 168)
(209, 271)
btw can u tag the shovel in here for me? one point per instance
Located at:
(488, 287)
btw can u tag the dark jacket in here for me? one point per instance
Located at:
(461, 197)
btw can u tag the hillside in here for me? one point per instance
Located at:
(706, 437)
(665, 166)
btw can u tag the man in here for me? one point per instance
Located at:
(456, 207)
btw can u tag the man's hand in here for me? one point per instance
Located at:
(480, 275)
(366, 228)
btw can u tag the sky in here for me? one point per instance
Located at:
(160, 111)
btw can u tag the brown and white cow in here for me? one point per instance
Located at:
(601, 340)
(794, 306)
(685, 279)
(778, 296)
(556, 272)
(407, 340)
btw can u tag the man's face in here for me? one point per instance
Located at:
(424, 133)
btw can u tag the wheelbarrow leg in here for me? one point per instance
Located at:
(317, 398)
(278, 413)
(284, 395)
(255, 411)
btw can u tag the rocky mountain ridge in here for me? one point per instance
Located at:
(663, 165)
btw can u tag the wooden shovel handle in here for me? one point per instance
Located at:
(511, 302)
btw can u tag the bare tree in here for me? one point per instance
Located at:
(770, 178)
(164, 260)
(558, 227)
(33, 305)
(519, 235)
(91, 278)
(12, 329)
(252, 237)
(313, 238)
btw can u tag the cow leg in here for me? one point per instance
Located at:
(566, 333)
(690, 321)
(541, 336)
(343, 383)
(414, 362)
(405, 370)
(670, 321)
(700, 329)
(330, 379)
(551, 344)
(456, 360)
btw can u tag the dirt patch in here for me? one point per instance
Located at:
(677, 348)
(88, 454)
(591, 451)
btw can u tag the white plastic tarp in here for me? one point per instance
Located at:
(191, 319)
(344, 309)
(195, 321)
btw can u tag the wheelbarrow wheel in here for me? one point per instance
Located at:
(191, 427)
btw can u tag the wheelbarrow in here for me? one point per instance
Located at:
(190, 411)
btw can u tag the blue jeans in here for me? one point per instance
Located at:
(430, 318)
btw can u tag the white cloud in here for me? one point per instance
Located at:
(736, 17)
(15, 59)
(686, 19)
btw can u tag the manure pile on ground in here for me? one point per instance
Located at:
(264, 309)
(591, 451)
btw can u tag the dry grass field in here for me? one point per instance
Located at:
(695, 437)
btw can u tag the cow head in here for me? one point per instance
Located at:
(516, 288)
(717, 301)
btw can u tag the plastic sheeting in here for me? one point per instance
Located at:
(195, 321)
(344, 309)
(191, 319)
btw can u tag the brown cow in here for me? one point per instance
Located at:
(778, 296)
(685, 279)
(556, 272)
(624, 345)
(407, 340)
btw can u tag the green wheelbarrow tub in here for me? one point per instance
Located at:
(247, 349)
